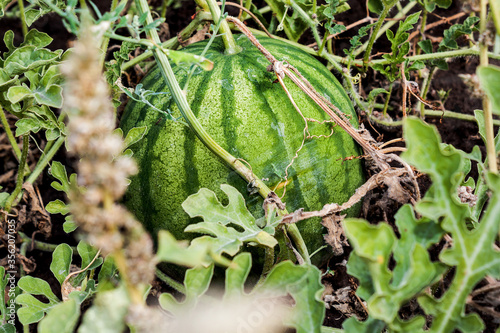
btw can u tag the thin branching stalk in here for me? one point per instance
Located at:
(426, 84)
(105, 40)
(172, 42)
(488, 118)
(39, 245)
(10, 136)
(387, 99)
(297, 9)
(46, 158)
(374, 35)
(22, 12)
(20, 175)
(227, 36)
(102, 170)
(179, 287)
(401, 14)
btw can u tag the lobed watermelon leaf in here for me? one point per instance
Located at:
(302, 282)
(62, 318)
(218, 218)
(472, 254)
(387, 291)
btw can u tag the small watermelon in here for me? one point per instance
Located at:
(248, 114)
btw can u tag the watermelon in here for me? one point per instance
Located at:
(247, 112)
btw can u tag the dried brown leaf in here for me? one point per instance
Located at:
(335, 236)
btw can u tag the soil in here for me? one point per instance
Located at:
(461, 134)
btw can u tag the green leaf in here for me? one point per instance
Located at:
(430, 5)
(37, 38)
(183, 57)
(32, 14)
(6, 81)
(178, 252)
(385, 291)
(375, 6)
(425, 45)
(69, 225)
(62, 318)
(58, 171)
(7, 328)
(57, 207)
(217, 219)
(61, 262)
(26, 125)
(134, 135)
(7, 310)
(88, 253)
(108, 269)
(472, 253)
(423, 232)
(451, 35)
(371, 325)
(236, 275)
(108, 312)
(303, 283)
(32, 309)
(18, 93)
(29, 57)
(197, 281)
(489, 76)
(294, 26)
(8, 39)
(3, 3)
(3, 198)
(50, 96)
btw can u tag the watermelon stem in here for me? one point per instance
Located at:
(227, 36)
(194, 124)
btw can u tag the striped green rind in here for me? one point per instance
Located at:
(252, 118)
